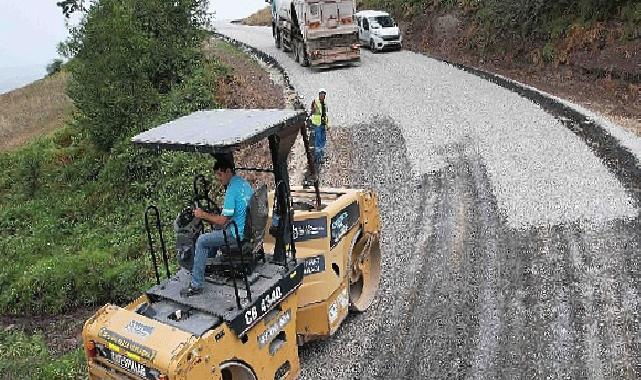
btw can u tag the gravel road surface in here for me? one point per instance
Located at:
(511, 231)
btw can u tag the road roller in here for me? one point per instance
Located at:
(307, 258)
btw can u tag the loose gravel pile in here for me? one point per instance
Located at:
(510, 250)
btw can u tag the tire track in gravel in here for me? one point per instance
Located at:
(451, 328)
(407, 207)
(571, 298)
(465, 294)
(492, 302)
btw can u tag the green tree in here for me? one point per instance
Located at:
(127, 56)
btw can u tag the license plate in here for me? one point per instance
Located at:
(129, 365)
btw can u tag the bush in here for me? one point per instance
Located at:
(631, 15)
(55, 66)
(548, 52)
(128, 55)
(71, 229)
(540, 20)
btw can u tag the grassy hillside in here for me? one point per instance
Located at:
(72, 202)
(71, 231)
(71, 216)
(70, 213)
(32, 110)
(261, 18)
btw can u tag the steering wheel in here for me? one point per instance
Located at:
(201, 195)
(206, 204)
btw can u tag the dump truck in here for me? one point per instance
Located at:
(319, 33)
(308, 257)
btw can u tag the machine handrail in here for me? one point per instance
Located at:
(154, 261)
(290, 211)
(242, 258)
(233, 268)
(311, 167)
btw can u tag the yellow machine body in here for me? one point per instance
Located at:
(326, 241)
(145, 347)
(260, 301)
(331, 241)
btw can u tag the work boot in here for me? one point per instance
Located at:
(190, 291)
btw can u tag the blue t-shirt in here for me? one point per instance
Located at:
(237, 197)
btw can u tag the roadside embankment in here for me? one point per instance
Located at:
(587, 52)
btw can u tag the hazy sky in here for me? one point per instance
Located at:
(233, 9)
(31, 29)
(29, 32)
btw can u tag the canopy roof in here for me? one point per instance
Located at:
(220, 130)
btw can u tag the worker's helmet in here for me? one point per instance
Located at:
(322, 91)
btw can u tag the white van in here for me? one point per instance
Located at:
(378, 30)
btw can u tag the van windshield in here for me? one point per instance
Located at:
(385, 21)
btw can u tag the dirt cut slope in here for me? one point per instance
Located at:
(592, 65)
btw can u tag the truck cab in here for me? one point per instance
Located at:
(378, 30)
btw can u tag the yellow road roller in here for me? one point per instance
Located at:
(308, 256)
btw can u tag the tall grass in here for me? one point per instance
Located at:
(26, 357)
(33, 110)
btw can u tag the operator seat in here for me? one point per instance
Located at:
(252, 243)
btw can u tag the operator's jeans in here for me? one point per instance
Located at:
(207, 245)
(319, 143)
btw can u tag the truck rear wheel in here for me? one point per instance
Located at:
(365, 271)
(302, 55)
(296, 51)
(236, 371)
(277, 40)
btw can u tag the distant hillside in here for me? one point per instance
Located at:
(16, 77)
(33, 110)
(261, 18)
(599, 36)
